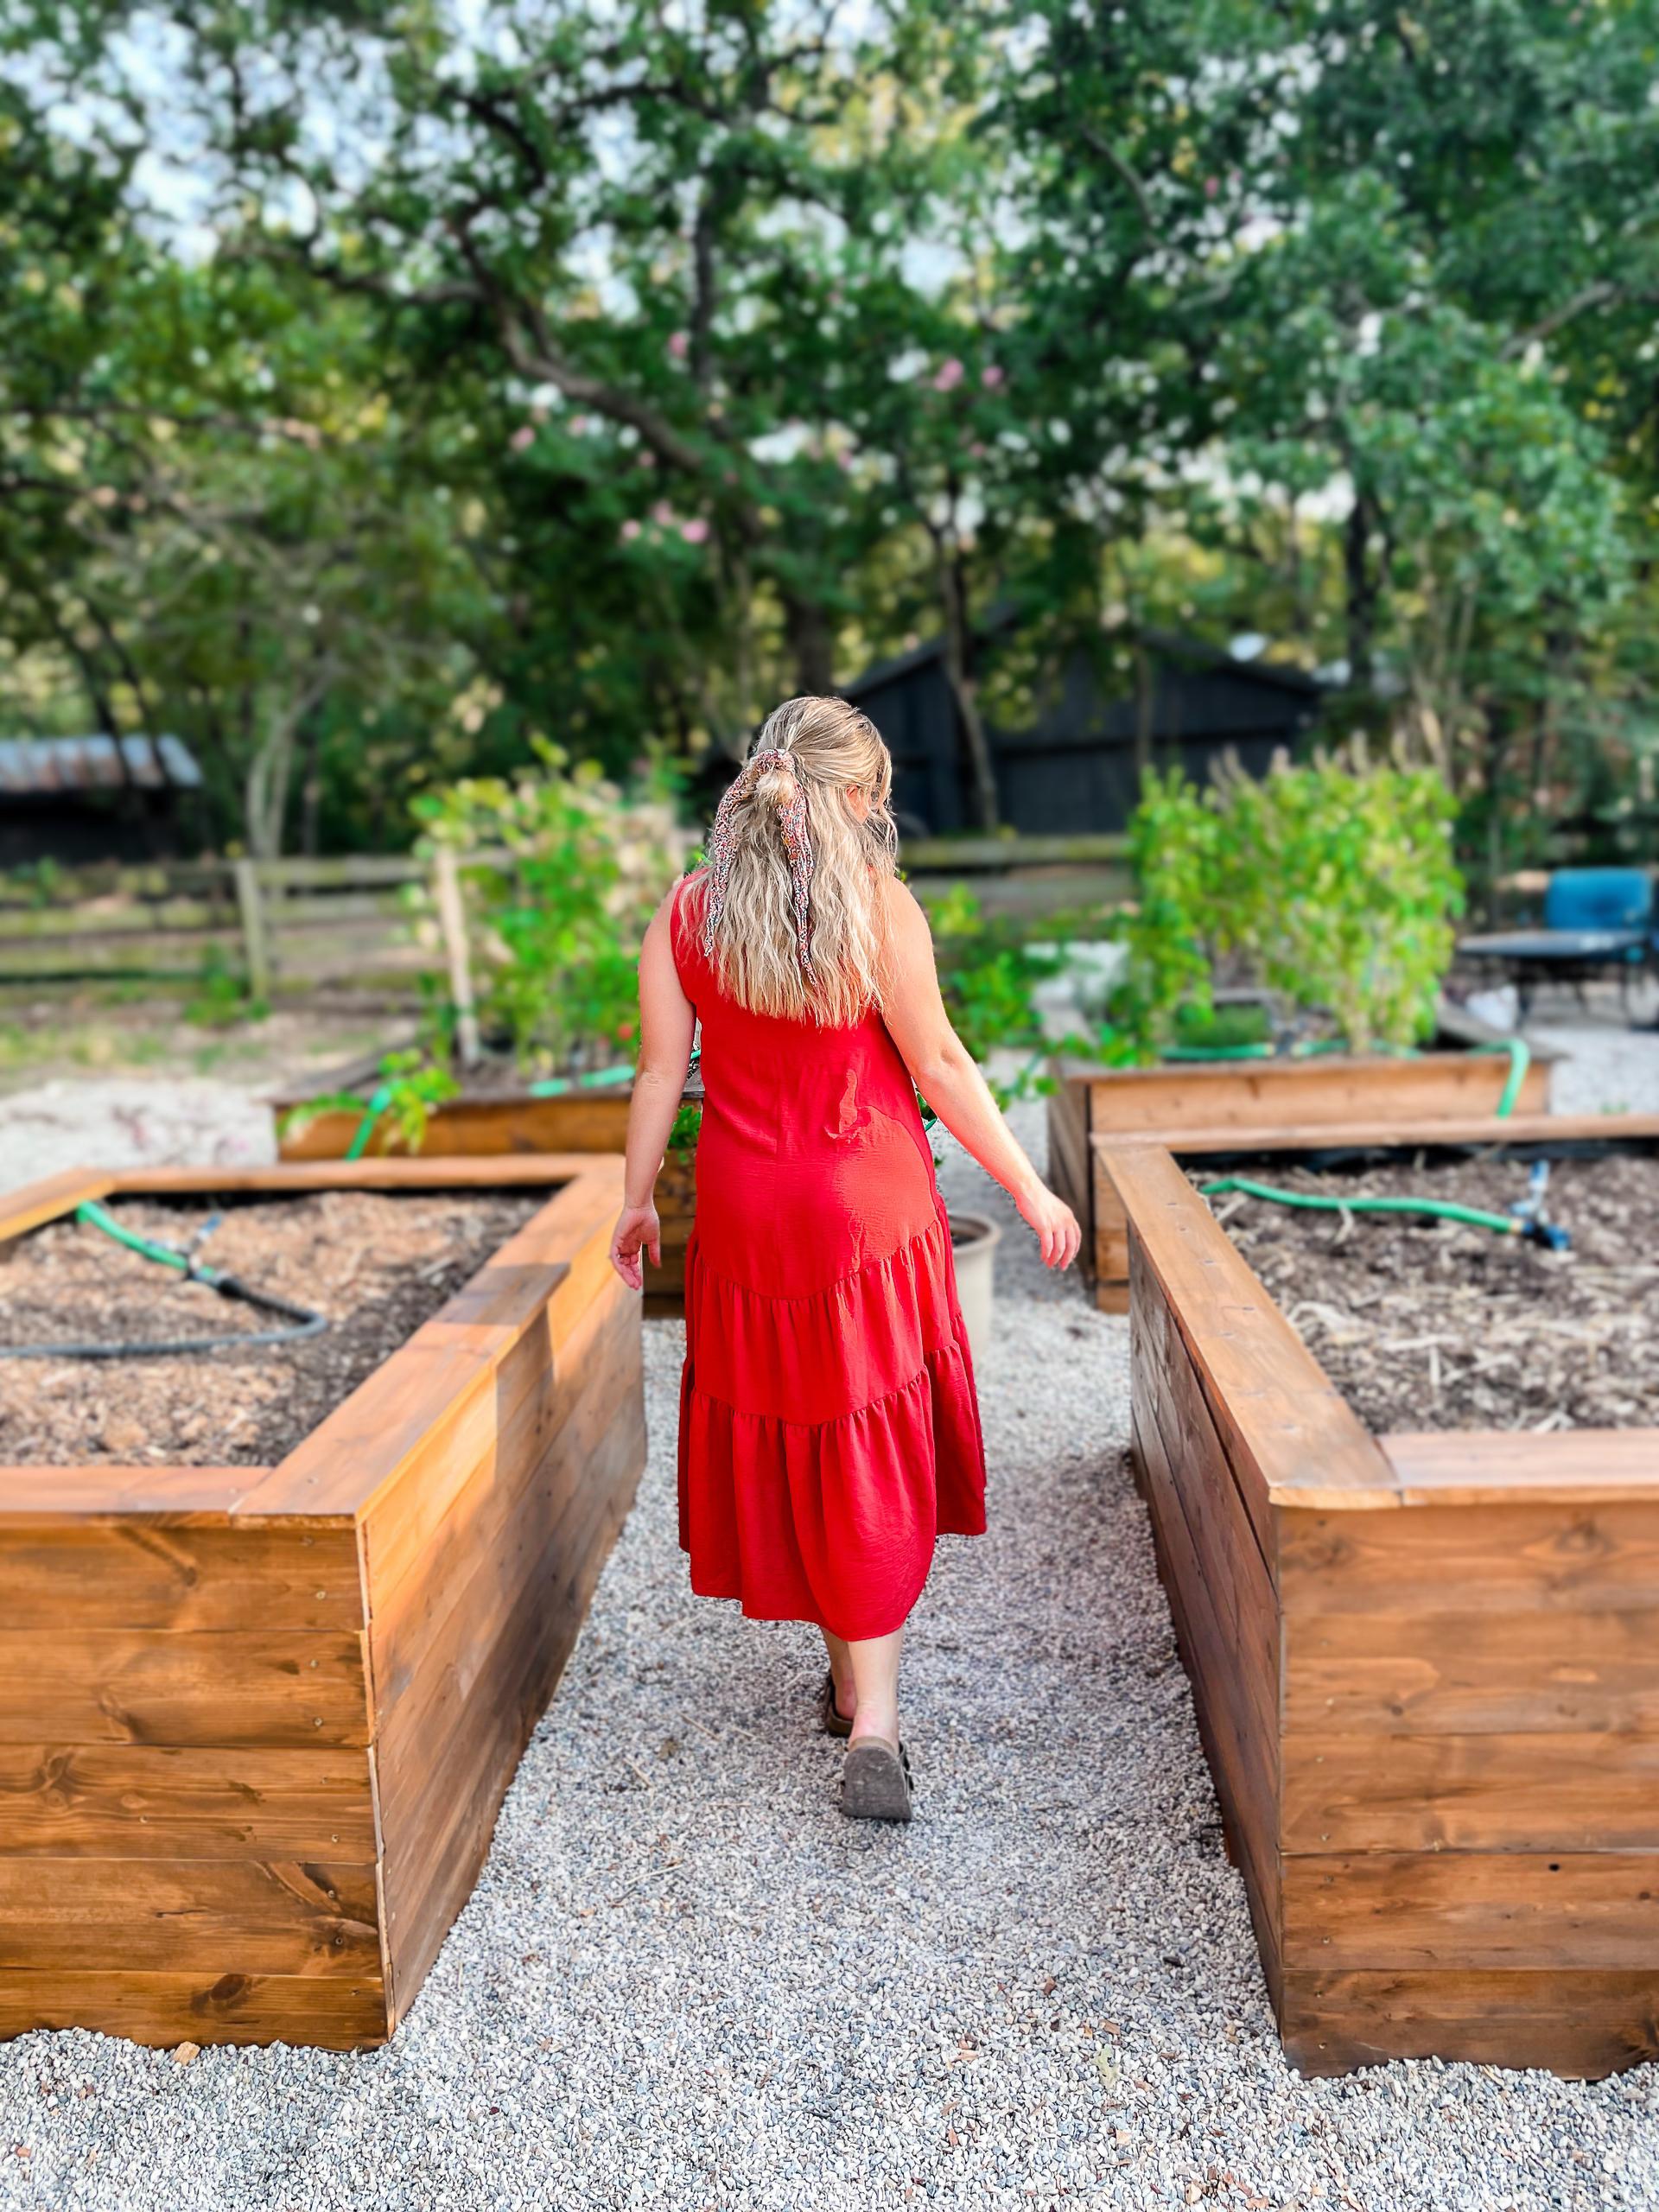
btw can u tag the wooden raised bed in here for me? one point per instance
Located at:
(494, 1124)
(1093, 1107)
(1427, 1675)
(258, 1721)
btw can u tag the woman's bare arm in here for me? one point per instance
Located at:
(666, 1024)
(945, 1072)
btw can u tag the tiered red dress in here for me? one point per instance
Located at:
(828, 1427)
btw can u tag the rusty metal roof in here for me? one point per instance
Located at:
(33, 766)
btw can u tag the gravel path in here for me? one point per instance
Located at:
(685, 1982)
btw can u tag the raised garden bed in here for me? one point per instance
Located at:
(1424, 1669)
(262, 1715)
(494, 1115)
(1214, 1103)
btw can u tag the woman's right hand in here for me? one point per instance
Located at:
(637, 1229)
(1054, 1222)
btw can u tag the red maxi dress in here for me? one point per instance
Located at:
(829, 1426)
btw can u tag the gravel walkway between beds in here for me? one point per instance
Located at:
(685, 1982)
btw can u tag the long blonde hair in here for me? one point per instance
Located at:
(831, 750)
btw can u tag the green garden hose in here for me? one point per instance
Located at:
(560, 1086)
(372, 1113)
(1502, 1225)
(306, 1324)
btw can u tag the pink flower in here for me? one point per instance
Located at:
(663, 515)
(579, 426)
(1211, 187)
(992, 377)
(976, 452)
(949, 377)
(679, 344)
(647, 459)
(630, 531)
(694, 531)
(523, 436)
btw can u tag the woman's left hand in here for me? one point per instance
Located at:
(637, 1228)
(1054, 1222)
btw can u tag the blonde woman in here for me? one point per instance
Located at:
(829, 1426)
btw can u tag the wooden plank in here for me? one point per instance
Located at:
(1382, 1912)
(1290, 1435)
(50, 1197)
(143, 1800)
(169, 1497)
(1475, 1467)
(433, 1405)
(217, 1687)
(1248, 1808)
(1454, 1131)
(190, 1916)
(420, 1551)
(1468, 1673)
(1527, 1556)
(1327, 1092)
(164, 2009)
(431, 1866)
(1551, 1793)
(1070, 1166)
(173, 1571)
(484, 1126)
(526, 1170)
(1582, 2025)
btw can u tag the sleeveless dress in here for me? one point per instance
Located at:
(829, 1426)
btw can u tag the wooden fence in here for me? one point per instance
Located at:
(296, 925)
(293, 923)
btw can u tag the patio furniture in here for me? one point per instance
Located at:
(1597, 920)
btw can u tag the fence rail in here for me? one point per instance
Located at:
(296, 924)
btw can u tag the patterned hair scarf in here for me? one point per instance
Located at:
(797, 845)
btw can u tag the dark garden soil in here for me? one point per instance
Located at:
(376, 1264)
(1440, 1325)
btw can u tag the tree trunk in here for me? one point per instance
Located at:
(811, 644)
(1361, 590)
(964, 691)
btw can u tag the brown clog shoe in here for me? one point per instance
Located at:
(835, 1722)
(875, 1781)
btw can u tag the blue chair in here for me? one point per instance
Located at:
(1599, 899)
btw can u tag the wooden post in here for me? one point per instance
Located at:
(255, 943)
(452, 919)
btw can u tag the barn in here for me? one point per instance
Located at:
(1075, 767)
(76, 799)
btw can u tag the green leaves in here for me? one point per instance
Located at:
(1334, 886)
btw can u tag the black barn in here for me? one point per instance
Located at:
(1075, 769)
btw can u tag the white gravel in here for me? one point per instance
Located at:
(685, 1982)
(131, 1121)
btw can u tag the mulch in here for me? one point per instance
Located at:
(1430, 1324)
(377, 1264)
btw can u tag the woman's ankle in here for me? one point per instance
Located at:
(868, 1722)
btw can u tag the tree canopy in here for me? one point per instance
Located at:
(383, 388)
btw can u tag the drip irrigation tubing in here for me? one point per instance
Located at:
(305, 1323)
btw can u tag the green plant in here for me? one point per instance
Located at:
(410, 1085)
(222, 994)
(688, 1125)
(1333, 883)
(558, 920)
(987, 976)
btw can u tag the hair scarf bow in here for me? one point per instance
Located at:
(722, 849)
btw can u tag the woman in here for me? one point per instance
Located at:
(829, 1426)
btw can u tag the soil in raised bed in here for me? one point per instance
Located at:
(376, 1264)
(1441, 1326)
